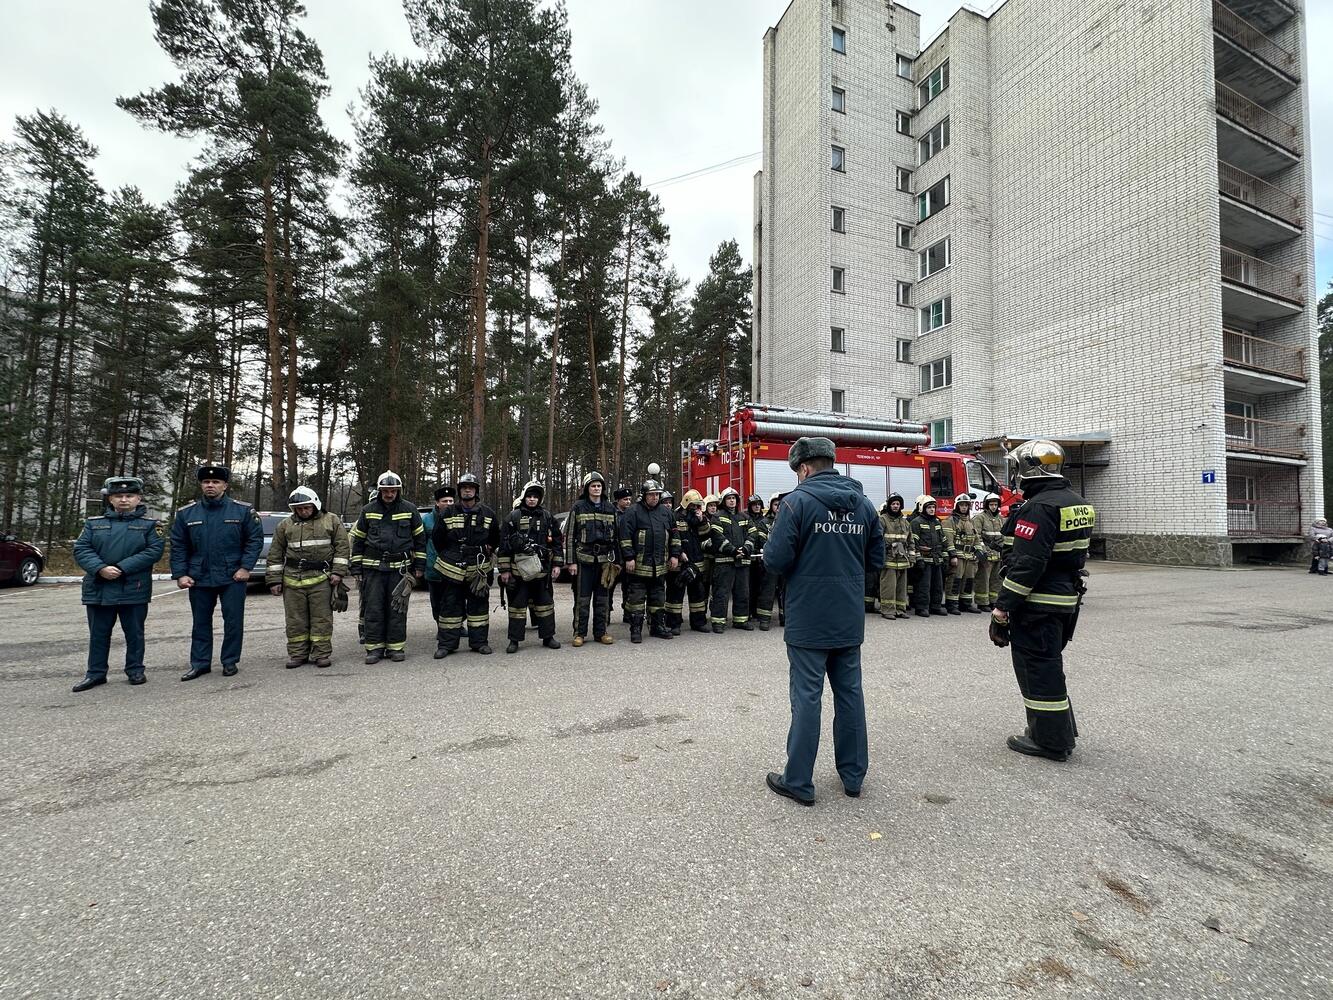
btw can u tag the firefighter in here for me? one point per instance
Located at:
(623, 499)
(388, 543)
(306, 560)
(696, 546)
(650, 549)
(775, 579)
(466, 540)
(989, 524)
(927, 577)
(444, 502)
(591, 558)
(762, 583)
(899, 554)
(530, 531)
(733, 545)
(1040, 595)
(963, 539)
(678, 579)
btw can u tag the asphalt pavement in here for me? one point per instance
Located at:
(594, 823)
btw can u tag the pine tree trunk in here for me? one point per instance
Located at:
(525, 466)
(479, 304)
(624, 326)
(292, 467)
(596, 389)
(555, 360)
(275, 386)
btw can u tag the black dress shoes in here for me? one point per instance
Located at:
(194, 672)
(88, 683)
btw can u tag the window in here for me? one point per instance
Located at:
(937, 374)
(904, 352)
(839, 219)
(903, 179)
(840, 100)
(905, 67)
(905, 236)
(941, 432)
(904, 122)
(840, 40)
(939, 313)
(839, 280)
(838, 340)
(902, 408)
(839, 402)
(904, 293)
(839, 162)
(933, 200)
(1239, 420)
(1242, 510)
(934, 141)
(934, 258)
(934, 85)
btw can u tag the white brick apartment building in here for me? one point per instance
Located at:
(1081, 219)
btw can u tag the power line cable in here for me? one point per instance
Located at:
(712, 168)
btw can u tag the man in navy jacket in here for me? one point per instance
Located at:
(825, 540)
(215, 543)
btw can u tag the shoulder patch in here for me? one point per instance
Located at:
(1026, 530)
(241, 503)
(157, 528)
(1078, 516)
(187, 506)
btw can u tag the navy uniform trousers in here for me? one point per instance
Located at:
(807, 668)
(101, 617)
(203, 601)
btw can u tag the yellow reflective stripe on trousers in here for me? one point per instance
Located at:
(1017, 588)
(1054, 600)
(291, 581)
(1047, 706)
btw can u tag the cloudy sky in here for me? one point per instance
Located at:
(678, 82)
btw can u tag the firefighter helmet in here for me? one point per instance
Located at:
(924, 500)
(388, 481)
(962, 498)
(534, 487)
(728, 492)
(711, 499)
(1037, 459)
(668, 496)
(303, 495)
(992, 499)
(774, 499)
(590, 478)
(755, 498)
(893, 497)
(691, 498)
(650, 486)
(467, 479)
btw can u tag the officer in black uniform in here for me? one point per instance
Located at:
(388, 543)
(466, 539)
(530, 530)
(1040, 596)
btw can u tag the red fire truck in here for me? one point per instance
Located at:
(886, 456)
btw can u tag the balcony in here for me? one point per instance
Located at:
(1254, 290)
(1248, 60)
(1266, 15)
(1282, 440)
(1256, 213)
(1259, 367)
(1263, 501)
(1255, 139)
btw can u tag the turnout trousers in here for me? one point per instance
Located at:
(1036, 641)
(383, 628)
(763, 588)
(962, 579)
(644, 595)
(871, 591)
(309, 614)
(203, 601)
(928, 586)
(675, 601)
(892, 589)
(101, 619)
(806, 669)
(539, 594)
(988, 582)
(591, 597)
(731, 584)
(460, 604)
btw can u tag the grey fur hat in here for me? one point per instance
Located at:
(807, 448)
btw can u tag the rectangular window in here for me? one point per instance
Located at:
(839, 219)
(934, 85)
(904, 352)
(839, 161)
(934, 258)
(904, 122)
(839, 100)
(840, 40)
(905, 67)
(933, 200)
(941, 433)
(1239, 418)
(904, 293)
(937, 374)
(903, 179)
(934, 140)
(939, 313)
(905, 236)
(902, 408)
(839, 402)
(838, 341)
(839, 280)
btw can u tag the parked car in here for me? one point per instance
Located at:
(20, 562)
(270, 519)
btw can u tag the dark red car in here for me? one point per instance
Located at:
(20, 562)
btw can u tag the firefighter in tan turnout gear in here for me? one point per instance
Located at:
(308, 558)
(988, 524)
(964, 541)
(898, 557)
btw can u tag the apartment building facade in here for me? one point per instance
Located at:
(1065, 218)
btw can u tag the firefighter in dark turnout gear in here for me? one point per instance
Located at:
(591, 558)
(466, 539)
(762, 583)
(696, 545)
(678, 577)
(1040, 595)
(530, 531)
(732, 548)
(651, 549)
(927, 576)
(623, 499)
(388, 543)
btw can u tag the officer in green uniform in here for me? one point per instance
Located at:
(308, 558)
(1039, 600)
(899, 552)
(989, 524)
(116, 551)
(963, 539)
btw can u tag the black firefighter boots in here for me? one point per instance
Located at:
(636, 629)
(512, 647)
(659, 628)
(951, 607)
(551, 642)
(1023, 744)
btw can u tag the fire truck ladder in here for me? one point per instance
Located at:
(736, 457)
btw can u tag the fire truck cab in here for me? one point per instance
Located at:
(886, 456)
